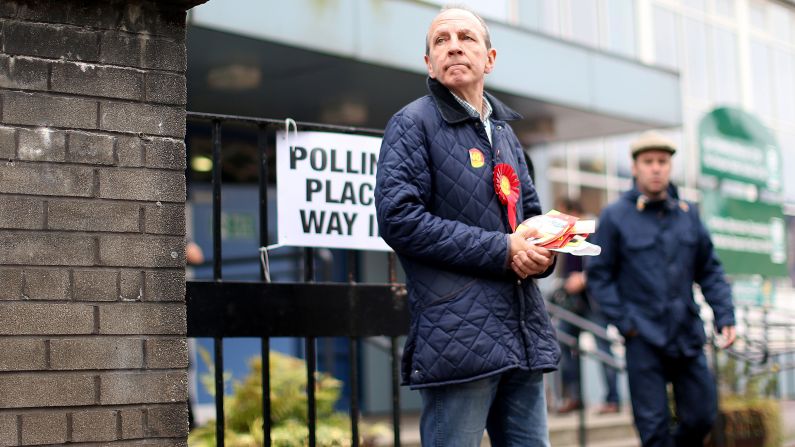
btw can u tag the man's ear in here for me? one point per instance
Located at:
(431, 73)
(491, 57)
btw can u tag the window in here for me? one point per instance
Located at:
(618, 149)
(585, 22)
(549, 14)
(760, 66)
(590, 156)
(593, 200)
(786, 144)
(780, 22)
(665, 38)
(695, 4)
(758, 14)
(695, 69)
(784, 85)
(725, 68)
(488, 9)
(679, 160)
(725, 8)
(527, 13)
(620, 29)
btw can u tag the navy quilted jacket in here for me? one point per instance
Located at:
(643, 279)
(470, 315)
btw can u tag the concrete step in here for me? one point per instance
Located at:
(608, 429)
(611, 443)
(614, 430)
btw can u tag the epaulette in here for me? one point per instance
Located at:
(640, 204)
(684, 206)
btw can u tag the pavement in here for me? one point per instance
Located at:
(788, 422)
(605, 431)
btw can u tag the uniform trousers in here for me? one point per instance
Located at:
(649, 370)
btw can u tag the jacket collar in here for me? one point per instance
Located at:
(671, 200)
(453, 112)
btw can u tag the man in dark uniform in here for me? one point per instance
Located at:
(654, 247)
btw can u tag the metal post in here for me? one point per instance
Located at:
(311, 367)
(791, 374)
(311, 360)
(392, 263)
(262, 146)
(266, 391)
(217, 275)
(216, 180)
(309, 264)
(219, 392)
(718, 429)
(354, 357)
(395, 390)
(582, 432)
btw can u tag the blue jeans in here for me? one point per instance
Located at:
(511, 406)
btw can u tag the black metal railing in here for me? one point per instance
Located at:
(583, 325)
(309, 309)
(767, 344)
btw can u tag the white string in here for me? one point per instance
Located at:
(287, 123)
(266, 268)
(263, 257)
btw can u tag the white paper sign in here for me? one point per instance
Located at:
(325, 184)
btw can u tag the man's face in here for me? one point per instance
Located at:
(652, 171)
(457, 55)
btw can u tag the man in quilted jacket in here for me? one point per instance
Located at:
(451, 185)
(654, 247)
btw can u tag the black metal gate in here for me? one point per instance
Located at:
(307, 309)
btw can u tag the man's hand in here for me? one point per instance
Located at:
(729, 334)
(528, 259)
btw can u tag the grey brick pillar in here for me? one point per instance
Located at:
(92, 225)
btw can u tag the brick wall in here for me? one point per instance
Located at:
(92, 195)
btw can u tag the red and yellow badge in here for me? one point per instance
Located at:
(506, 185)
(476, 158)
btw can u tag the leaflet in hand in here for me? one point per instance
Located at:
(562, 233)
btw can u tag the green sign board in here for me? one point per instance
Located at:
(749, 237)
(741, 203)
(736, 146)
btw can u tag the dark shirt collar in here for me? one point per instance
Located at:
(453, 112)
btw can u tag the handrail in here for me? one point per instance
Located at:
(580, 322)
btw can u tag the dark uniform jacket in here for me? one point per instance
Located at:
(470, 315)
(643, 279)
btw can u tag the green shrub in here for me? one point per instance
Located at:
(747, 403)
(243, 409)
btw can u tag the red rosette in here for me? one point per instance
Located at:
(506, 185)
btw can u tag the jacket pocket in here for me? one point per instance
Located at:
(640, 242)
(453, 289)
(644, 256)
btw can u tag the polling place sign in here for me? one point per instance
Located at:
(325, 184)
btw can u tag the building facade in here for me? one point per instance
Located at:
(588, 75)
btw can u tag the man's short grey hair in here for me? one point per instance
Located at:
(486, 35)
